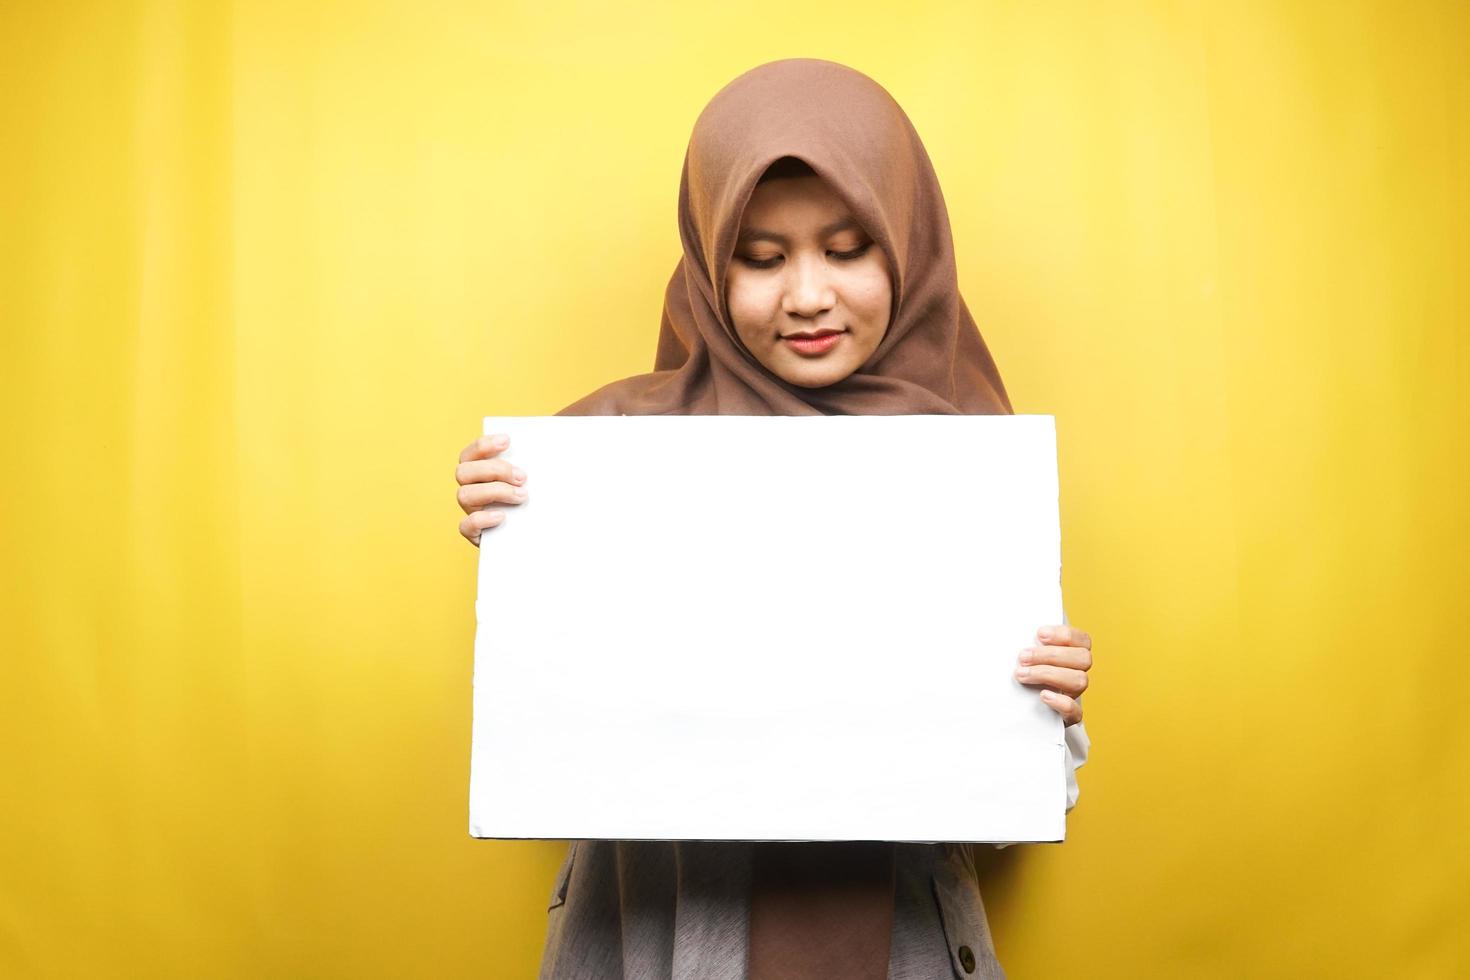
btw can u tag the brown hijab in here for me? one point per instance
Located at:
(849, 130)
(817, 909)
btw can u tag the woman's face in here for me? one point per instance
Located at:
(808, 290)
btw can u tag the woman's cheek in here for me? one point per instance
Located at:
(871, 294)
(737, 300)
(750, 307)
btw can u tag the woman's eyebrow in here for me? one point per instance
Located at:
(841, 224)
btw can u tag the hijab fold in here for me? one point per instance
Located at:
(817, 908)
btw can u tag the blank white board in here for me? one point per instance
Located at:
(787, 628)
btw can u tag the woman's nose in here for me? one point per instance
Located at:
(808, 288)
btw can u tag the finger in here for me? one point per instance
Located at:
(473, 496)
(1062, 679)
(1069, 708)
(488, 470)
(1078, 658)
(484, 447)
(481, 520)
(1064, 636)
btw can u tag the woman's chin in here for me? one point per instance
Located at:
(814, 373)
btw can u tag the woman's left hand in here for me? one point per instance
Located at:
(1058, 664)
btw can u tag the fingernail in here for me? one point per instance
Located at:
(1048, 695)
(517, 473)
(496, 517)
(1026, 656)
(499, 442)
(520, 494)
(1044, 632)
(1022, 673)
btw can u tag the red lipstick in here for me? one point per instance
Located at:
(813, 344)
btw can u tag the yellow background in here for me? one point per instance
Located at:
(263, 268)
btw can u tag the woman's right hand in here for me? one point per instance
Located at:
(483, 479)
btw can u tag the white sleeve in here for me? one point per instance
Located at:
(1074, 747)
(1075, 744)
(1074, 752)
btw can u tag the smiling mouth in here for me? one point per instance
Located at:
(814, 343)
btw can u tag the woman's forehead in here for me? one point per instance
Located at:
(752, 233)
(809, 203)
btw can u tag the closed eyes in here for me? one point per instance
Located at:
(771, 263)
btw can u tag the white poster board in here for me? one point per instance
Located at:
(788, 628)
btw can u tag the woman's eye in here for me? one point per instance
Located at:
(774, 260)
(856, 253)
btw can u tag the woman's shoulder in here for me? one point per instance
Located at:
(594, 403)
(610, 399)
(654, 393)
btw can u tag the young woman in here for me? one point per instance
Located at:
(818, 277)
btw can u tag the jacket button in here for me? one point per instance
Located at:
(967, 959)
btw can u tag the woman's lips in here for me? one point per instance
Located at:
(814, 346)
